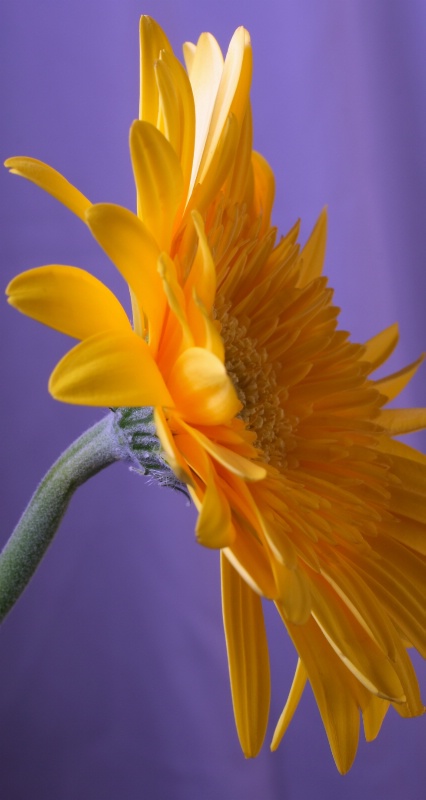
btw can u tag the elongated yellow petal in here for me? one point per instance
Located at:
(202, 277)
(202, 389)
(134, 252)
(264, 189)
(296, 691)
(392, 385)
(172, 78)
(381, 346)
(403, 420)
(205, 76)
(357, 649)
(68, 299)
(51, 181)
(313, 253)
(159, 181)
(232, 94)
(248, 658)
(110, 369)
(214, 525)
(235, 463)
(332, 689)
(294, 595)
(152, 41)
(373, 716)
(175, 296)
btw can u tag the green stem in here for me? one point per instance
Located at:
(94, 450)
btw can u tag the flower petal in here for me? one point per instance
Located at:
(110, 369)
(313, 254)
(332, 687)
(152, 41)
(214, 526)
(392, 385)
(232, 95)
(247, 657)
(202, 389)
(68, 299)
(295, 694)
(51, 181)
(205, 75)
(133, 251)
(159, 181)
(381, 346)
(234, 462)
(403, 420)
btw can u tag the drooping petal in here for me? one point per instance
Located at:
(214, 525)
(357, 650)
(295, 693)
(110, 369)
(133, 251)
(159, 181)
(68, 299)
(332, 687)
(51, 181)
(248, 658)
(202, 389)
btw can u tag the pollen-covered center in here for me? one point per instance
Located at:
(256, 384)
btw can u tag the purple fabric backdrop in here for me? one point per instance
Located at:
(113, 672)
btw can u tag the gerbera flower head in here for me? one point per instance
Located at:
(264, 408)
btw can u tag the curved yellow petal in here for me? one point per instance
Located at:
(392, 385)
(248, 658)
(134, 252)
(397, 421)
(294, 596)
(381, 346)
(264, 190)
(205, 75)
(214, 525)
(294, 696)
(373, 716)
(353, 644)
(232, 94)
(173, 80)
(175, 296)
(51, 181)
(235, 463)
(202, 277)
(201, 388)
(159, 181)
(334, 691)
(110, 369)
(68, 299)
(152, 41)
(313, 254)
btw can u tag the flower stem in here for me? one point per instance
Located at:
(90, 453)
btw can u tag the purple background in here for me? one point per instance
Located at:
(113, 673)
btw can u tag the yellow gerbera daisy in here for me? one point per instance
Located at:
(263, 407)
